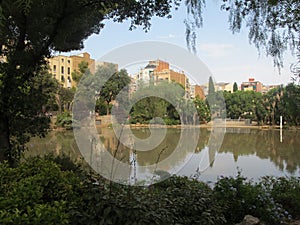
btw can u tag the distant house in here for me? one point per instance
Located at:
(252, 85)
(224, 86)
(157, 71)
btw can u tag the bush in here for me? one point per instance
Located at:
(285, 191)
(240, 197)
(57, 191)
(65, 120)
(36, 192)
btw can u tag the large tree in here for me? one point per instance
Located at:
(30, 30)
(274, 25)
(112, 87)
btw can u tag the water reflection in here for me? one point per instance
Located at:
(256, 152)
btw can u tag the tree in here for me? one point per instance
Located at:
(113, 86)
(274, 25)
(77, 75)
(291, 104)
(211, 86)
(29, 113)
(295, 67)
(31, 30)
(64, 98)
(202, 110)
(235, 87)
(150, 102)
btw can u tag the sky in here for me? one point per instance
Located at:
(230, 58)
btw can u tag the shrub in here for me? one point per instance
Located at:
(285, 191)
(57, 191)
(36, 192)
(240, 197)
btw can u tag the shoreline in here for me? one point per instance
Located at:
(264, 127)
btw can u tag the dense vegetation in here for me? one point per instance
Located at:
(56, 191)
(266, 108)
(263, 108)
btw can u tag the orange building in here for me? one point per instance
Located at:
(197, 91)
(162, 72)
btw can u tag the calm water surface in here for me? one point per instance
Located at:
(255, 152)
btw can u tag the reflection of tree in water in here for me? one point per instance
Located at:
(60, 143)
(164, 150)
(263, 143)
(266, 145)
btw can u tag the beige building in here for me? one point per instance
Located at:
(224, 86)
(61, 67)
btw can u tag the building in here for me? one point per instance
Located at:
(157, 71)
(145, 74)
(224, 86)
(62, 67)
(252, 85)
(196, 91)
(107, 64)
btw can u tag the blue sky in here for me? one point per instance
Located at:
(229, 57)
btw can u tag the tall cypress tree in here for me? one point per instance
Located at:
(235, 87)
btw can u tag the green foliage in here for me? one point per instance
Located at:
(57, 191)
(64, 120)
(101, 106)
(240, 197)
(148, 108)
(211, 86)
(116, 82)
(273, 25)
(265, 108)
(202, 110)
(61, 26)
(77, 75)
(64, 98)
(25, 115)
(36, 192)
(189, 201)
(235, 87)
(285, 191)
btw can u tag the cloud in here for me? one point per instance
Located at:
(216, 50)
(168, 36)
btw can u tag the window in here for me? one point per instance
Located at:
(69, 70)
(54, 68)
(69, 61)
(62, 60)
(62, 69)
(62, 78)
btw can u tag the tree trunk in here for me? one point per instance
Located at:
(5, 146)
(107, 108)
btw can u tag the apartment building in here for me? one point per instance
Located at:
(252, 85)
(62, 67)
(196, 91)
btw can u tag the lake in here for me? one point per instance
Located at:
(254, 152)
